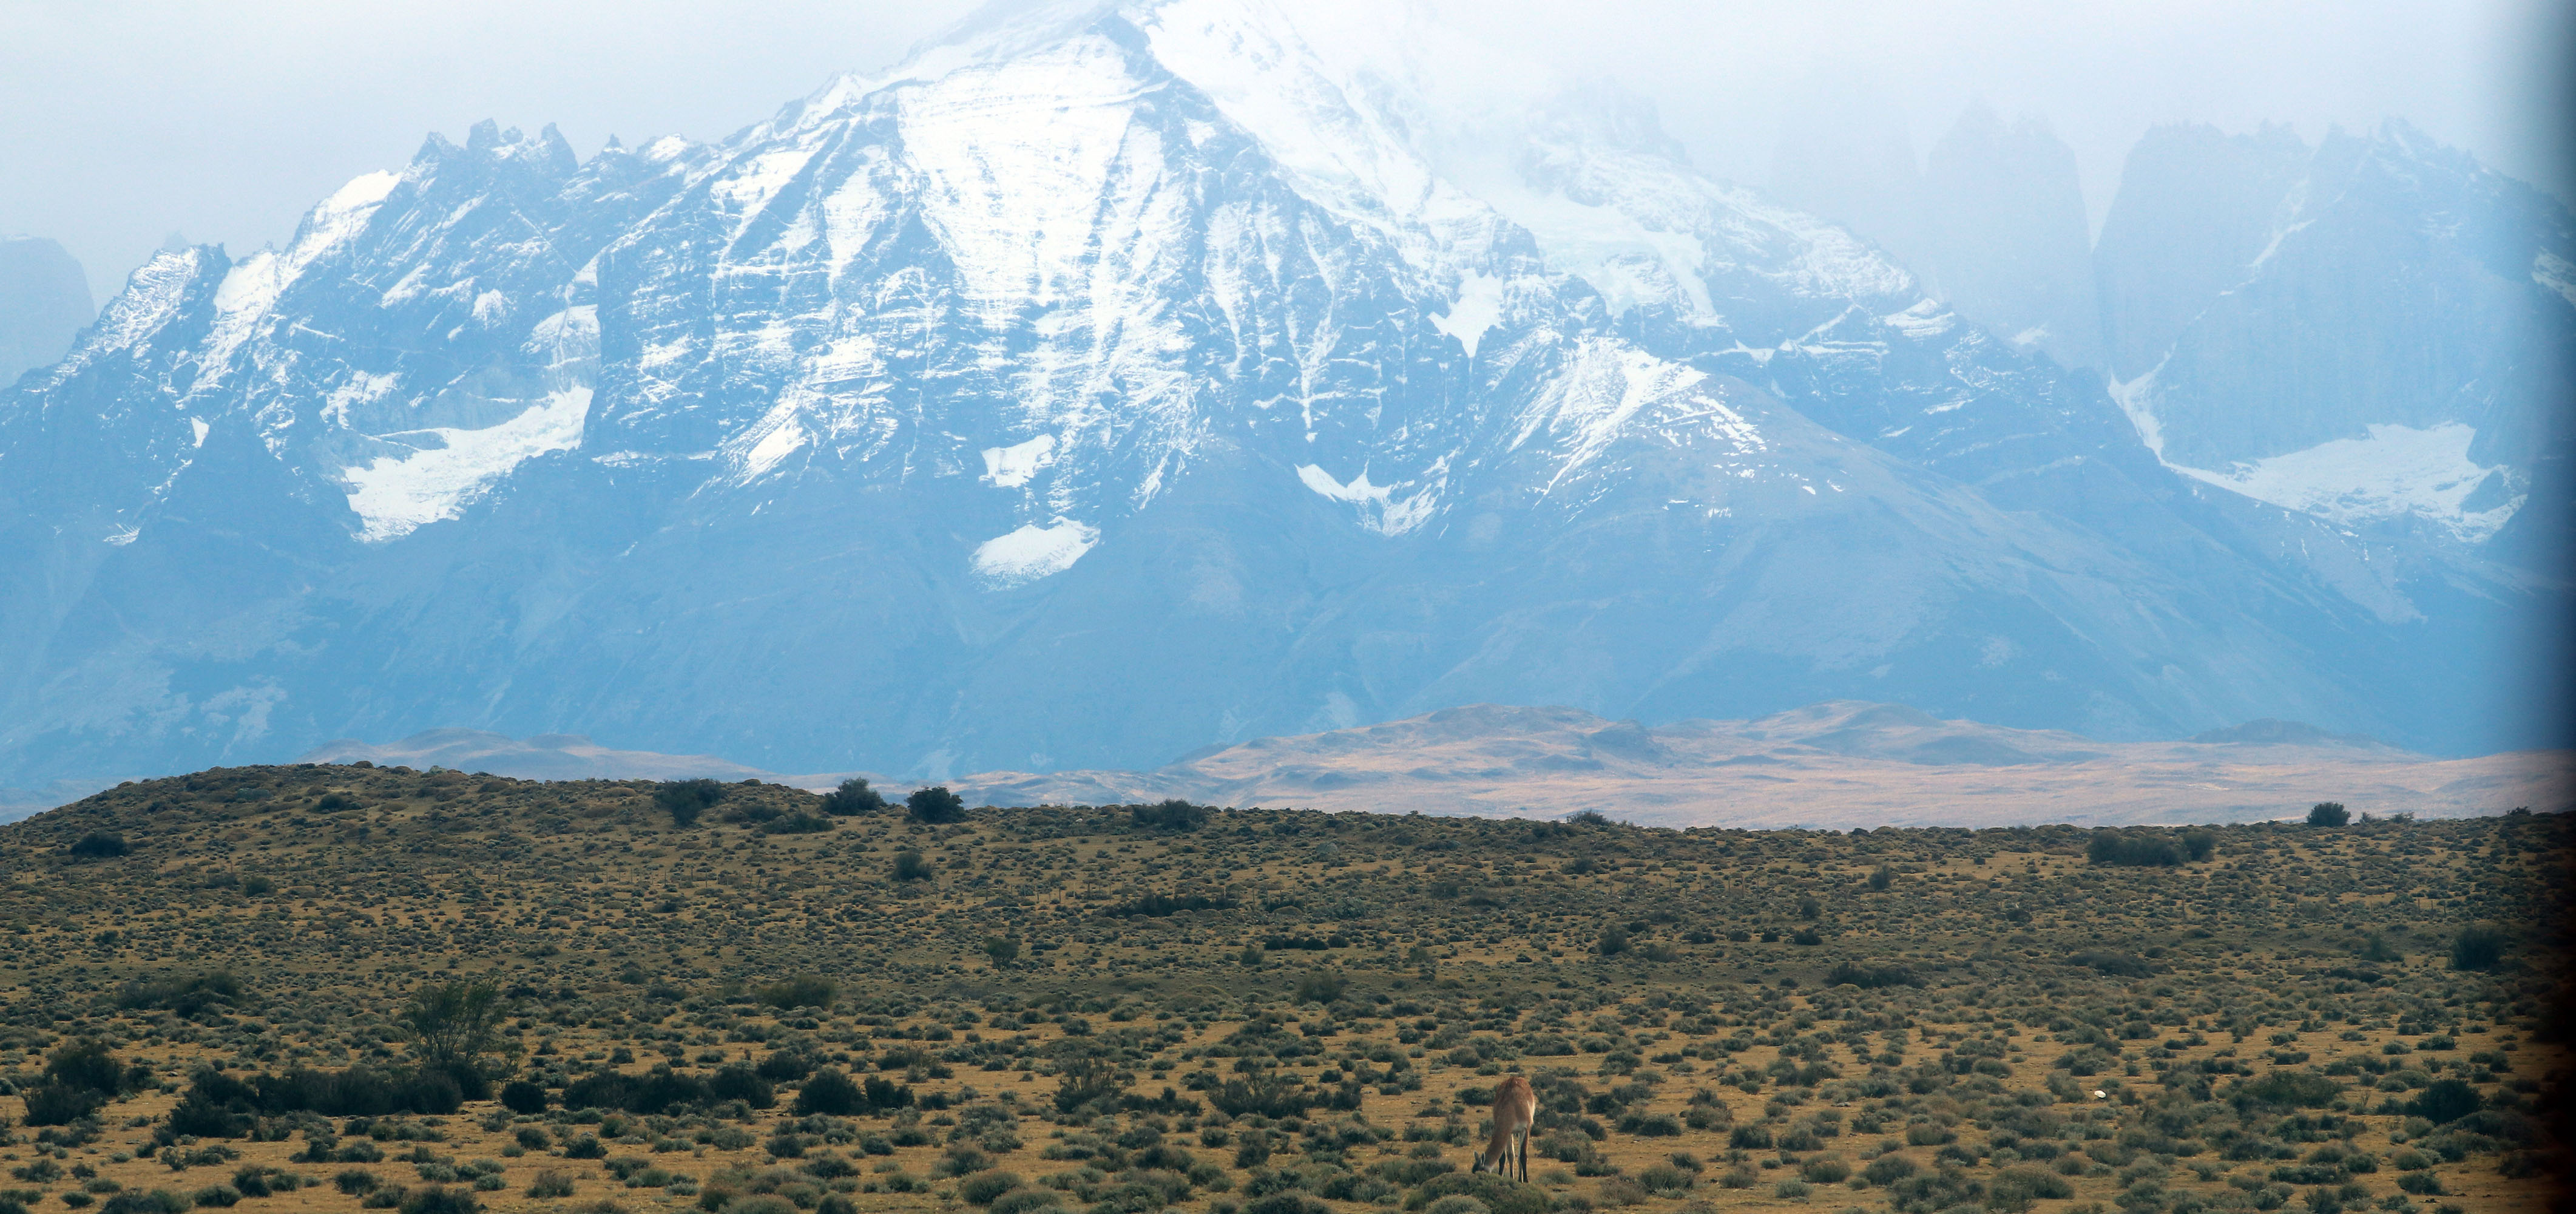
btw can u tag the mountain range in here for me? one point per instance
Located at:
(1112, 380)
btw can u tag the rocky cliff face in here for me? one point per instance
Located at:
(1101, 384)
(44, 301)
(2375, 330)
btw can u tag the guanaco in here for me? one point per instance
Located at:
(1515, 1106)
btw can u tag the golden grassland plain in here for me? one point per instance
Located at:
(1279, 1012)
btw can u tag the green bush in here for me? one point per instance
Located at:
(99, 845)
(2133, 849)
(685, 800)
(981, 1188)
(2328, 813)
(1870, 977)
(521, 1096)
(1501, 1194)
(2477, 947)
(909, 866)
(438, 1199)
(830, 1092)
(1169, 815)
(934, 806)
(806, 991)
(2445, 1101)
(852, 798)
(188, 997)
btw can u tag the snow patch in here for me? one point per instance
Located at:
(1032, 552)
(772, 447)
(2397, 470)
(396, 495)
(1011, 467)
(1379, 511)
(1927, 318)
(1478, 308)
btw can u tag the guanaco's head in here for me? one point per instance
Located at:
(1484, 1163)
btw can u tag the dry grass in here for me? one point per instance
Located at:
(1469, 949)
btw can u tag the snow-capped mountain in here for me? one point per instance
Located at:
(1111, 380)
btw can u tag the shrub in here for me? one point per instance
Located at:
(828, 1091)
(551, 1182)
(1825, 1169)
(1321, 987)
(1024, 1201)
(2286, 1089)
(909, 866)
(2328, 813)
(1882, 877)
(158, 1201)
(1159, 906)
(217, 1195)
(2445, 1101)
(2133, 848)
(1079, 1081)
(186, 996)
(2117, 965)
(438, 1199)
(852, 798)
(1614, 940)
(981, 1188)
(585, 1147)
(800, 992)
(356, 1182)
(521, 1096)
(2477, 947)
(684, 800)
(1267, 1095)
(2199, 844)
(1501, 1194)
(934, 805)
(1871, 977)
(87, 1065)
(1887, 1169)
(1169, 815)
(52, 1104)
(99, 845)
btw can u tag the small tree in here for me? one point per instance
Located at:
(454, 1025)
(2328, 813)
(1614, 940)
(1882, 877)
(1809, 907)
(853, 797)
(909, 866)
(934, 805)
(99, 845)
(1002, 949)
(684, 800)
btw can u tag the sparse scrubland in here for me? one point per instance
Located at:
(294, 988)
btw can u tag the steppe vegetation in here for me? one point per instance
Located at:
(311, 988)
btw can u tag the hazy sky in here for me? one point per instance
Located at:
(124, 120)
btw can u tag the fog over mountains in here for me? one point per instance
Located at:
(1110, 381)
